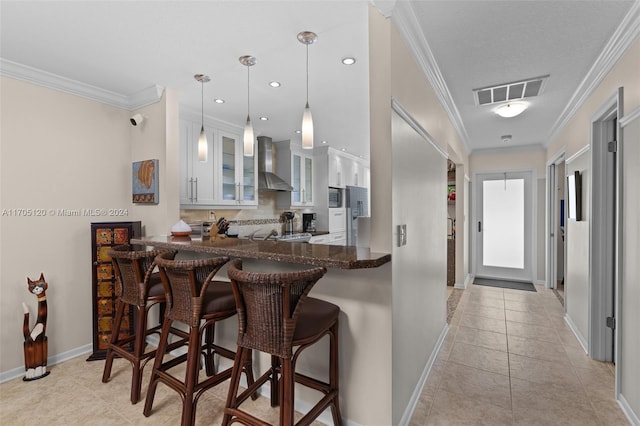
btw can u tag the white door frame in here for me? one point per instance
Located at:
(551, 237)
(603, 231)
(530, 231)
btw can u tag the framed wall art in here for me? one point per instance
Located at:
(145, 182)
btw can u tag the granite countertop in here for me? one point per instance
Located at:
(341, 257)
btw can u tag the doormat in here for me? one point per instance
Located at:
(515, 285)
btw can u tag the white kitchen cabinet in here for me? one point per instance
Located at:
(237, 175)
(337, 220)
(196, 177)
(226, 179)
(335, 176)
(338, 238)
(295, 166)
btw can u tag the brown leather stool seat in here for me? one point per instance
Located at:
(274, 316)
(137, 286)
(197, 301)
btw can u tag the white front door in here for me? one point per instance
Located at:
(504, 219)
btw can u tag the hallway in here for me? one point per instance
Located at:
(510, 359)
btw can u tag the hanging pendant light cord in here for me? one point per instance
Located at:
(202, 104)
(248, 93)
(307, 74)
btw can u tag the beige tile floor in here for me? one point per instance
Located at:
(73, 394)
(510, 359)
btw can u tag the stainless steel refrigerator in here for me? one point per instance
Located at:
(357, 200)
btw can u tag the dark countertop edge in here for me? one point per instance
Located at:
(275, 257)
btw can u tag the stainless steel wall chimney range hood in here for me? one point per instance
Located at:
(267, 180)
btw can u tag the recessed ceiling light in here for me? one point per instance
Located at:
(343, 149)
(349, 61)
(511, 109)
(264, 118)
(324, 142)
(274, 84)
(298, 131)
(219, 101)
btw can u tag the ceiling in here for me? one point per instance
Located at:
(126, 47)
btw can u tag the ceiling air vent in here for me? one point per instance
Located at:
(510, 91)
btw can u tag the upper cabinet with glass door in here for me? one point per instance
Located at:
(238, 175)
(226, 178)
(295, 165)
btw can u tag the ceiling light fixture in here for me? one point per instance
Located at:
(249, 140)
(218, 101)
(349, 61)
(203, 146)
(511, 109)
(307, 38)
(506, 138)
(264, 118)
(274, 84)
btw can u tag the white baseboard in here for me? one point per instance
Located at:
(5, 376)
(467, 280)
(626, 409)
(576, 332)
(415, 396)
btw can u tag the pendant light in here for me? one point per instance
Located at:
(248, 61)
(307, 38)
(203, 146)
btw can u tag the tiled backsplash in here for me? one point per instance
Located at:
(262, 219)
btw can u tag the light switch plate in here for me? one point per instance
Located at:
(402, 235)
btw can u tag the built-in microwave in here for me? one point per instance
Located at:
(335, 198)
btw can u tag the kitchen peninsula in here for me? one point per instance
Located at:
(343, 257)
(358, 281)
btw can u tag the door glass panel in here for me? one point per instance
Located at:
(503, 223)
(248, 179)
(228, 168)
(295, 194)
(308, 186)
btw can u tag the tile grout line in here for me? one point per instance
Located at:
(506, 336)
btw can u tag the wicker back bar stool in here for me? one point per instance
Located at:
(275, 315)
(197, 301)
(137, 286)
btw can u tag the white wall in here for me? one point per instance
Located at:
(59, 151)
(158, 138)
(629, 315)
(575, 136)
(419, 282)
(577, 239)
(64, 152)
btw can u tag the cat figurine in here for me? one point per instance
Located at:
(35, 341)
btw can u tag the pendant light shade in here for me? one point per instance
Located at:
(307, 38)
(203, 145)
(248, 139)
(307, 128)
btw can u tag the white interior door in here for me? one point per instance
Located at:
(504, 219)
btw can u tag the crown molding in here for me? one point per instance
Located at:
(408, 118)
(385, 7)
(405, 19)
(49, 80)
(624, 36)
